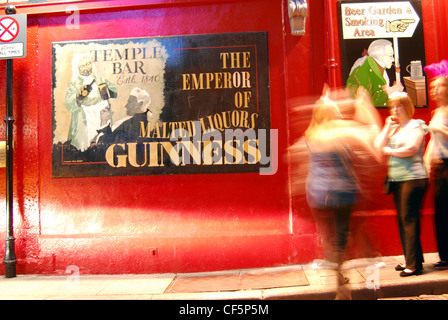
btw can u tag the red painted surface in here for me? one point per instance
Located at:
(440, 11)
(177, 223)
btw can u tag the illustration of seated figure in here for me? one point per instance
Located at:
(370, 71)
(128, 128)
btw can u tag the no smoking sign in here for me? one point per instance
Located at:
(13, 36)
(9, 29)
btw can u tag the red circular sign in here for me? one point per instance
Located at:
(9, 29)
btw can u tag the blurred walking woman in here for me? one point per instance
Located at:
(436, 156)
(331, 185)
(332, 189)
(402, 140)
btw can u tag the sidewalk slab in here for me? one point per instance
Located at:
(239, 280)
(296, 282)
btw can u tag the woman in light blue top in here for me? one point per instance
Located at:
(402, 140)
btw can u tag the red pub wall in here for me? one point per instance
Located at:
(178, 223)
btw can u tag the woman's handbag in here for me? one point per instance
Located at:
(387, 186)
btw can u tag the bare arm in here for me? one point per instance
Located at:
(412, 147)
(427, 157)
(383, 137)
(438, 127)
(353, 137)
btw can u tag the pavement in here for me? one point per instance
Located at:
(368, 280)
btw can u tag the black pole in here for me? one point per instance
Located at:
(10, 260)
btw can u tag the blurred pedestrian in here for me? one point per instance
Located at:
(332, 189)
(402, 140)
(436, 156)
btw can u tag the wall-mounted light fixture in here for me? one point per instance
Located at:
(297, 11)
